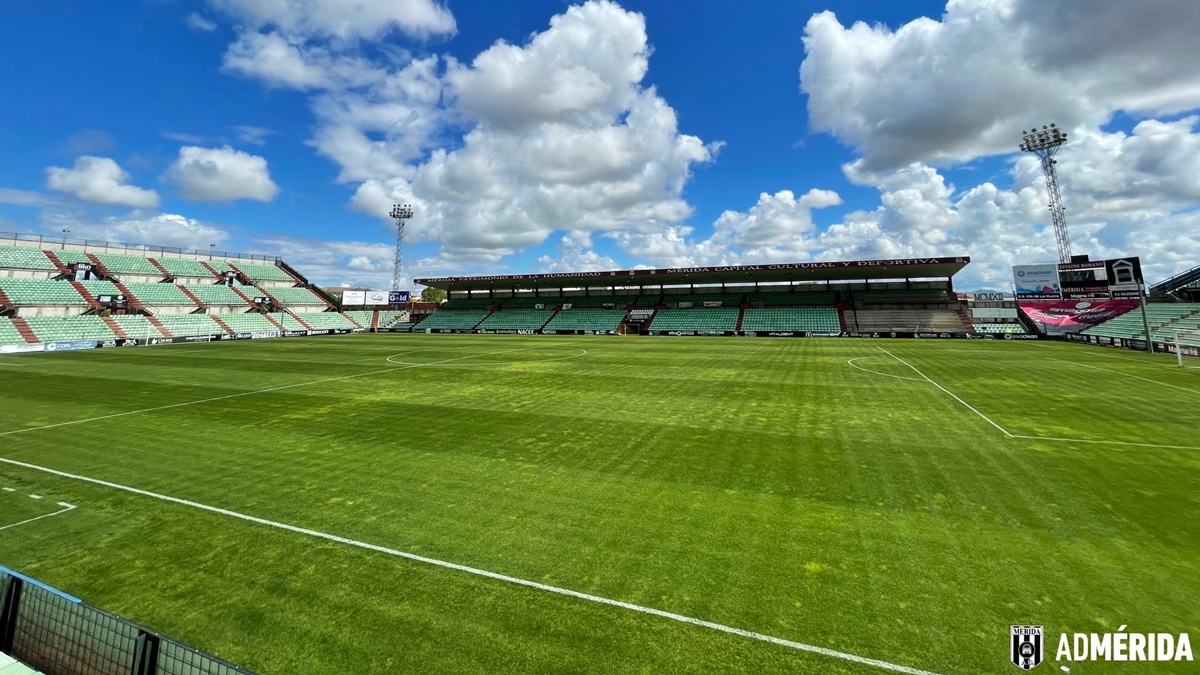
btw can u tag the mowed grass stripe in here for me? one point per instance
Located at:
(802, 498)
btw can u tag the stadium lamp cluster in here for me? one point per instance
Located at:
(1037, 140)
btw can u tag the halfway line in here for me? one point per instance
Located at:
(493, 575)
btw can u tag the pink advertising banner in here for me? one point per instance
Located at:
(1072, 316)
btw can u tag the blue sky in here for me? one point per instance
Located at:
(598, 134)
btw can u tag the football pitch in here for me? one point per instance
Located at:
(496, 504)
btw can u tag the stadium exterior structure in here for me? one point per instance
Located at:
(912, 297)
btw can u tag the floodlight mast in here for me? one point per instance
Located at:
(401, 213)
(1045, 143)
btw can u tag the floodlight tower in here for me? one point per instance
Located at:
(1045, 143)
(401, 213)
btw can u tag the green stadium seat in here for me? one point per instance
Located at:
(158, 294)
(287, 296)
(41, 292)
(68, 256)
(531, 303)
(1165, 319)
(792, 298)
(216, 294)
(119, 263)
(9, 335)
(999, 328)
(252, 322)
(517, 319)
(183, 267)
(136, 326)
(260, 272)
(599, 301)
(184, 325)
(20, 257)
(321, 321)
(97, 288)
(698, 299)
(453, 319)
(814, 319)
(719, 319)
(69, 328)
(587, 319)
(472, 303)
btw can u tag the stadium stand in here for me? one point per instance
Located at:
(791, 298)
(288, 296)
(158, 294)
(814, 319)
(363, 316)
(259, 272)
(95, 288)
(20, 257)
(190, 324)
(999, 328)
(251, 322)
(531, 302)
(617, 301)
(219, 266)
(326, 320)
(136, 326)
(650, 300)
(472, 303)
(905, 320)
(213, 294)
(66, 328)
(517, 319)
(454, 320)
(41, 292)
(9, 335)
(587, 319)
(184, 267)
(119, 263)
(69, 256)
(1165, 319)
(389, 319)
(717, 319)
(726, 299)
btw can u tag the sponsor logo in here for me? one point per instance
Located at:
(1026, 646)
(198, 338)
(22, 349)
(69, 346)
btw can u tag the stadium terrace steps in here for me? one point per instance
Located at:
(115, 327)
(158, 325)
(326, 321)
(23, 328)
(810, 319)
(24, 258)
(698, 299)
(161, 270)
(260, 272)
(83, 293)
(715, 319)
(4, 301)
(1165, 318)
(904, 320)
(294, 296)
(10, 334)
(119, 263)
(183, 325)
(157, 294)
(221, 324)
(791, 298)
(517, 319)
(587, 319)
(183, 267)
(215, 294)
(472, 303)
(56, 262)
(250, 322)
(192, 296)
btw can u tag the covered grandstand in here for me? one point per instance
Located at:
(900, 298)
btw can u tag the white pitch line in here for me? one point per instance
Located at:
(1136, 377)
(850, 363)
(9, 489)
(245, 393)
(490, 575)
(69, 507)
(1009, 434)
(952, 394)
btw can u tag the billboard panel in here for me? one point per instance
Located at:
(398, 298)
(377, 298)
(1037, 282)
(1068, 316)
(354, 298)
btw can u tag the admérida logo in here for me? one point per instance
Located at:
(1027, 646)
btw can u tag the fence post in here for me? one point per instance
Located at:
(10, 601)
(145, 654)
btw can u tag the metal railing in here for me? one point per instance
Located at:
(60, 634)
(94, 245)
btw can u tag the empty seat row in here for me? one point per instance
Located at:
(776, 298)
(216, 294)
(723, 319)
(999, 328)
(119, 263)
(815, 319)
(519, 319)
(587, 319)
(288, 296)
(326, 320)
(20, 257)
(158, 294)
(260, 272)
(183, 267)
(9, 335)
(41, 292)
(454, 319)
(184, 325)
(252, 322)
(67, 328)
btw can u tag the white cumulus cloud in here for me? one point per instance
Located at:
(100, 180)
(341, 19)
(221, 175)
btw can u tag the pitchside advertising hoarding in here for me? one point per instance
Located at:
(1085, 280)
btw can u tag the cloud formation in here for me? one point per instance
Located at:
(221, 175)
(99, 180)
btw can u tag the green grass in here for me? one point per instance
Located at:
(762, 484)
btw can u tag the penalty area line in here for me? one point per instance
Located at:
(952, 394)
(1136, 377)
(761, 637)
(68, 507)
